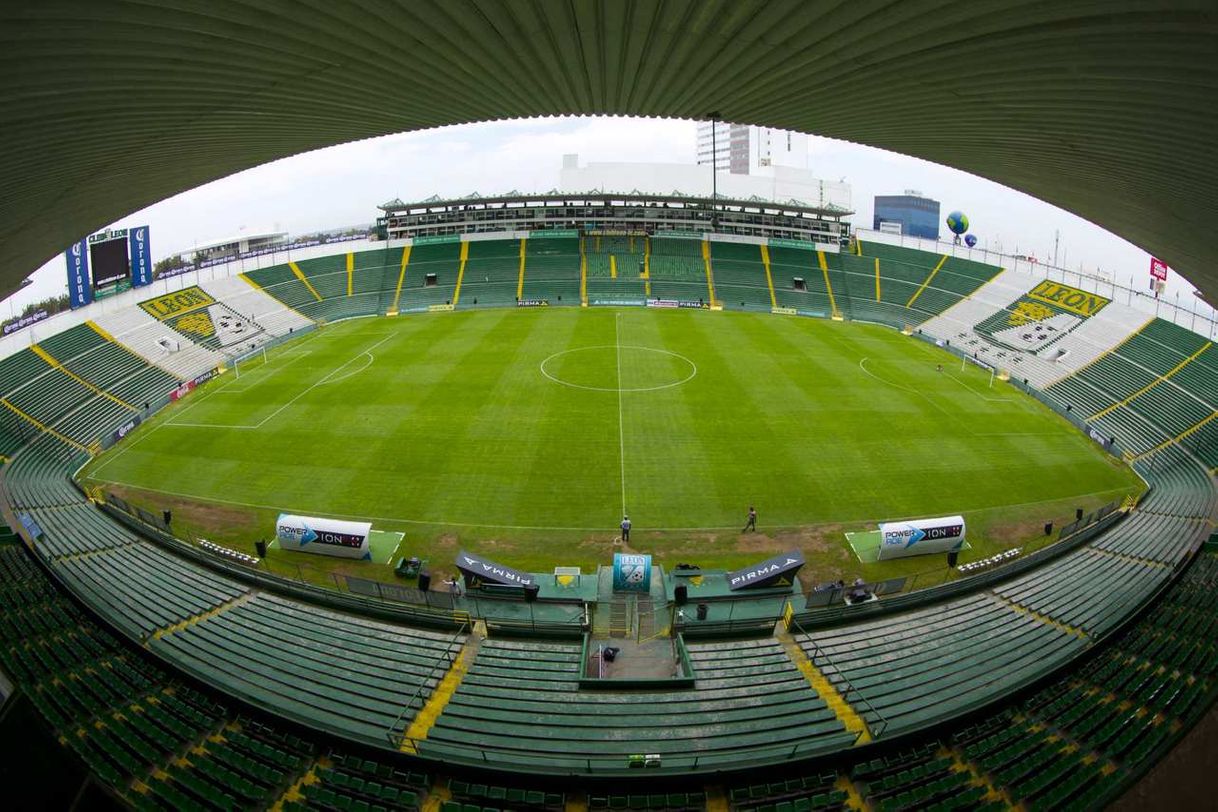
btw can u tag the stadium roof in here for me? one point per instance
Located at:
(1106, 109)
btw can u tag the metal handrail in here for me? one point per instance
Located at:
(396, 739)
(818, 654)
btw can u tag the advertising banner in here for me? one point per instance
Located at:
(921, 537)
(1158, 268)
(13, 325)
(308, 534)
(80, 292)
(778, 571)
(532, 302)
(802, 245)
(784, 311)
(631, 572)
(140, 252)
(554, 233)
(478, 571)
(125, 429)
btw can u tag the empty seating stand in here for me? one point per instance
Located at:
(492, 273)
(431, 275)
(552, 269)
(520, 706)
(343, 674)
(740, 276)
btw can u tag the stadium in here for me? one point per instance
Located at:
(460, 410)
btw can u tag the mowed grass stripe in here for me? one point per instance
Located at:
(453, 422)
(674, 421)
(577, 430)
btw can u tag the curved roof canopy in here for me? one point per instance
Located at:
(1107, 109)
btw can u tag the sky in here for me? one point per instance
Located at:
(342, 185)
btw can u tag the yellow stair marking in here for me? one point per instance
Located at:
(300, 275)
(253, 284)
(440, 695)
(461, 272)
(42, 426)
(854, 798)
(397, 294)
(613, 266)
(578, 803)
(293, 792)
(583, 274)
(716, 799)
(647, 266)
(1111, 349)
(877, 279)
(925, 284)
(210, 613)
(824, 269)
(1152, 384)
(858, 245)
(710, 275)
(520, 281)
(97, 328)
(1048, 621)
(1187, 432)
(436, 797)
(980, 778)
(350, 271)
(837, 703)
(769, 278)
(54, 362)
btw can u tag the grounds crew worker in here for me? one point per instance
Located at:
(625, 528)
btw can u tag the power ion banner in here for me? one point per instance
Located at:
(307, 534)
(631, 572)
(921, 537)
(778, 571)
(80, 292)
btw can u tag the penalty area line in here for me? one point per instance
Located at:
(367, 352)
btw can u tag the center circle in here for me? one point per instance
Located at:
(612, 368)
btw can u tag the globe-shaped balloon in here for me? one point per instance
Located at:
(970, 240)
(957, 222)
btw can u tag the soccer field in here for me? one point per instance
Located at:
(499, 424)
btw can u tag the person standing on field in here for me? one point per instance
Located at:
(751, 524)
(625, 528)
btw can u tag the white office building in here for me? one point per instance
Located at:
(743, 149)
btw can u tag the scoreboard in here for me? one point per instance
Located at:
(118, 259)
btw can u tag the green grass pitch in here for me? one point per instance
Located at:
(526, 434)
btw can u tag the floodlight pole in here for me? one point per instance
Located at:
(714, 117)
